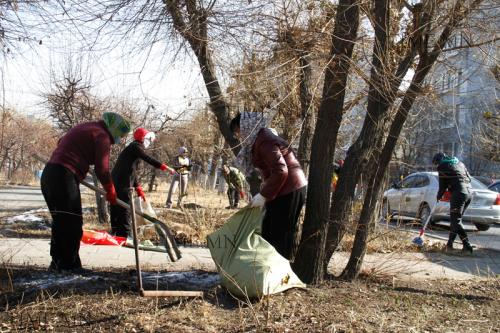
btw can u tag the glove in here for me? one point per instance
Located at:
(242, 194)
(165, 167)
(140, 192)
(110, 193)
(258, 201)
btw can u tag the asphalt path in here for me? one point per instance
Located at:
(23, 198)
(489, 239)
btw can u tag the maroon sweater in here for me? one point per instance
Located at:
(84, 145)
(278, 165)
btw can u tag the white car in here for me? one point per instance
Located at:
(415, 197)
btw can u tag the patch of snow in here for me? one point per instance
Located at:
(50, 280)
(26, 217)
(188, 279)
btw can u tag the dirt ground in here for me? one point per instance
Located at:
(32, 299)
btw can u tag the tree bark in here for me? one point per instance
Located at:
(308, 263)
(359, 153)
(308, 113)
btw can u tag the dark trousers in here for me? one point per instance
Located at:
(61, 191)
(280, 226)
(458, 205)
(234, 197)
(119, 216)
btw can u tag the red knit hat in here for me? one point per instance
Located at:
(140, 133)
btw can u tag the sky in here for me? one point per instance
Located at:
(29, 69)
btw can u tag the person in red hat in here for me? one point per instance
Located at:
(124, 176)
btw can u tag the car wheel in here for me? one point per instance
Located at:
(481, 226)
(423, 214)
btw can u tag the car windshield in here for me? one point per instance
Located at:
(474, 183)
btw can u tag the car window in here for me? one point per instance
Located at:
(421, 181)
(495, 187)
(409, 182)
(477, 184)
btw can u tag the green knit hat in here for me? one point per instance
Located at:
(117, 125)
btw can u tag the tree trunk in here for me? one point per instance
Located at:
(194, 30)
(152, 179)
(310, 257)
(359, 153)
(365, 225)
(308, 113)
(102, 208)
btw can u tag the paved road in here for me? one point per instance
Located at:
(21, 198)
(484, 239)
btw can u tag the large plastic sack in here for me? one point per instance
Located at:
(248, 265)
(101, 237)
(143, 207)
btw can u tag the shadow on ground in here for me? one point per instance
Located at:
(21, 285)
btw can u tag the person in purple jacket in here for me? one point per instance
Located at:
(84, 145)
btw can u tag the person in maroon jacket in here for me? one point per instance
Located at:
(84, 145)
(284, 183)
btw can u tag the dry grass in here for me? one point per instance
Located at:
(367, 305)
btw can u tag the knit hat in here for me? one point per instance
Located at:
(117, 125)
(140, 133)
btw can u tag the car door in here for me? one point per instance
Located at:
(416, 194)
(406, 202)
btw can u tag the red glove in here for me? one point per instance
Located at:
(110, 193)
(165, 167)
(242, 194)
(140, 192)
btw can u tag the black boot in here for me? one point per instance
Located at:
(467, 248)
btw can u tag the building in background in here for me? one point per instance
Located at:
(457, 119)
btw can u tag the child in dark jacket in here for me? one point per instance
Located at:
(125, 176)
(84, 145)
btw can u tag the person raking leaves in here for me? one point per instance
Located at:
(454, 177)
(83, 145)
(235, 182)
(124, 176)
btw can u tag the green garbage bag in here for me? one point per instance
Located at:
(248, 265)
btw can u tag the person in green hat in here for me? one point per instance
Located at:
(84, 145)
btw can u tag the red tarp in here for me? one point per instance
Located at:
(101, 237)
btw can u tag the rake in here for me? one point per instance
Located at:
(151, 293)
(419, 240)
